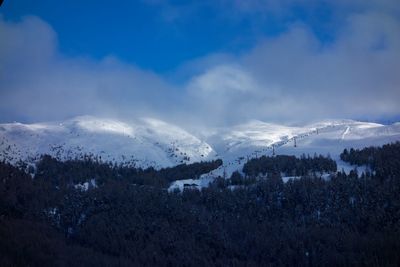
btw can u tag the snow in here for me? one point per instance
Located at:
(286, 179)
(104, 125)
(151, 142)
(190, 184)
(330, 137)
(345, 132)
(86, 185)
(145, 143)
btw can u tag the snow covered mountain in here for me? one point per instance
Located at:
(147, 143)
(236, 145)
(150, 142)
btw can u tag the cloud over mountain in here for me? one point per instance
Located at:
(290, 76)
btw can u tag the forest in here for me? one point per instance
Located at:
(129, 218)
(289, 165)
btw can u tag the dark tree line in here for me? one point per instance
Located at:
(77, 171)
(345, 221)
(385, 160)
(289, 165)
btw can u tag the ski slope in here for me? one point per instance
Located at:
(330, 137)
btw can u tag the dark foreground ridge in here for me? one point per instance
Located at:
(128, 218)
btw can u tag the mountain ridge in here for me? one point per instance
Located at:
(149, 142)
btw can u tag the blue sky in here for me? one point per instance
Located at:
(210, 62)
(159, 36)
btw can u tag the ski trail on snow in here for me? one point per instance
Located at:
(346, 132)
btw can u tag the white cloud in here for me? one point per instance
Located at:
(289, 77)
(296, 77)
(223, 79)
(38, 83)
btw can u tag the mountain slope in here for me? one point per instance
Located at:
(254, 139)
(150, 142)
(146, 143)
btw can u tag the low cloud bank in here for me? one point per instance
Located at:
(287, 78)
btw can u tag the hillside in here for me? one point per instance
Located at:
(150, 142)
(146, 143)
(237, 144)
